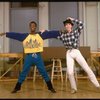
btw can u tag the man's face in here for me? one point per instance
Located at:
(32, 27)
(68, 26)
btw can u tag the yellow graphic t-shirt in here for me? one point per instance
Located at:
(33, 44)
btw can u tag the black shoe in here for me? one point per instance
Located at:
(17, 87)
(50, 87)
(52, 90)
(15, 90)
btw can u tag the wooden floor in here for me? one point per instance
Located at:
(38, 90)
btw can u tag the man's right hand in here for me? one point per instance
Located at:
(1, 34)
(70, 18)
(42, 31)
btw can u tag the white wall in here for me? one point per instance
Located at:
(90, 13)
(99, 25)
(4, 26)
(43, 18)
(81, 17)
(92, 25)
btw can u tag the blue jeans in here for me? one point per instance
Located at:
(37, 60)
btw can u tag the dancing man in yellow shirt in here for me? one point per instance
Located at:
(33, 45)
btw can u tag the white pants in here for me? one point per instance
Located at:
(76, 54)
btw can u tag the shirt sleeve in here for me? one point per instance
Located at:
(79, 25)
(50, 34)
(16, 36)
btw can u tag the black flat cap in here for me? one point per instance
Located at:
(68, 21)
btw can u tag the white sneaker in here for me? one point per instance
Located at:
(98, 87)
(73, 91)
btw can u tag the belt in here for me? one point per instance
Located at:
(33, 54)
(71, 48)
(30, 53)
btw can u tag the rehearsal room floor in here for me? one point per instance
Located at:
(38, 90)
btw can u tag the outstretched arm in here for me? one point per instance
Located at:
(79, 25)
(14, 35)
(50, 34)
(78, 22)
